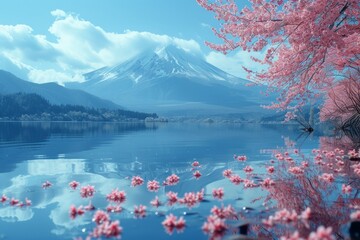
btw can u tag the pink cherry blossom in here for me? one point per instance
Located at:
(153, 186)
(171, 222)
(116, 196)
(327, 177)
(173, 179)
(172, 197)
(114, 209)
(195, 164)
(236, 179)
(87, 191)
(270, 169)
(241, 158)
(296, 170)
(346, 189)
(214, 226)
(46, 184)
(218, 193)
(197, 174)
(140, 211)
(3, 198)
(136, 181)
(322, 233)
(224, 212)
(14, 201)
(74, 184)
(100, 217)
(248, 169)
(227, 173)
(107, 229)
(267, 183)
(190, 199)
(155, 202)
(306, 214)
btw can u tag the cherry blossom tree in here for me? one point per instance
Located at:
(309, 46)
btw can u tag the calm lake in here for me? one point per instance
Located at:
(108, 155)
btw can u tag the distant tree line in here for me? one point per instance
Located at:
(33, 107)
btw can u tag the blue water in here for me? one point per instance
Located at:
(106, 155)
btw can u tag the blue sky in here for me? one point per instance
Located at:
(53, 40)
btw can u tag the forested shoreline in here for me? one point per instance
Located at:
(33, 107)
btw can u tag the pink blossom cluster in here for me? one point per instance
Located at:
(296, 170)
(222, 212)
(346, 189)
(190, 199)
(15, 202)
(356, 168)
(136, 181)
(155, 202)
(242, 158)
(267, 182)
(227, 173)
(74, 184)
(107, 229)
(218, 193)
(236, 179)
(248, 169)
(171, 180)
(322, 233)
(116, 196)
(74, 212)
(172, 197)
(270, 169)
(171, 222)
(140, 211)
(197, 174)
(114, 209)
(87, 191)
(286, 216)
(215, 227)
(327, 177)
(195, 164)
(153, 186)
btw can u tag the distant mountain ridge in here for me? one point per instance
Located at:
(172, 81)
(52, 92)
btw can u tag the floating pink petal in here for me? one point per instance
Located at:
(136, 181)
(87, 191)
(322, 233)
(218, 193)
(116, 196)
(173, 179)
(153, 186)
(227, 173)
(74, 184)
(197, 174)
(100, 217)
(140, 211)
(156, 202)
(46, 184)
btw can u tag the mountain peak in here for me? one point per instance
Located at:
(169, 61)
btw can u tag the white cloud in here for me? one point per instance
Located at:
(79, 47)
(233, 63)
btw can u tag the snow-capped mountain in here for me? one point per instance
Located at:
(171, 80)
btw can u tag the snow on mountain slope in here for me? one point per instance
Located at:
(171, 80)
